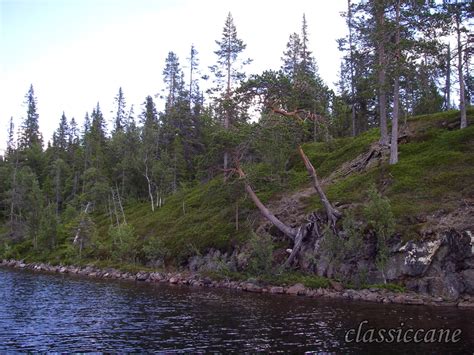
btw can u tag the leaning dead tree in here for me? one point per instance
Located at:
(295, 235)
(286, 230)
(305, 231)
(266, 90)
(332, 213)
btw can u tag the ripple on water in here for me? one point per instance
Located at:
(42, 312)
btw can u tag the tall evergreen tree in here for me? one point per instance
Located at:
(120, 111)
(11, 139)
(227, 71)
(30, 128)
(291, 57)
(173, 78)
(60, 136)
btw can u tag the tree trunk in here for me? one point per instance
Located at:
(448, 79)
(332, 213)
(396, 92)
(286, 230)
(353, 112)
(297, 247)
(227, 113)
(119, 199)
(462, 95)
(191, 65)
(150, 192)
(77, 237)
(237, 216)
(12, 203)
(381, 72)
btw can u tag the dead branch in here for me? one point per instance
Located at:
(332, 213)
(81, 225)
(288, 231)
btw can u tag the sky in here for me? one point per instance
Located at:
(79, 52)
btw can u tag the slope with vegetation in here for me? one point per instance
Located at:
(201, 185)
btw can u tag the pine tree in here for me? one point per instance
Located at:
(227, 71)
(150, 146)
(380, 34)
(194, 95)
(291, 57)
(98, 139)
(120, 113)
(60, 136)
(173, 78)
(460, 11)
(11, 140)
(31, 135)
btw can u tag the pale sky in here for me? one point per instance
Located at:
(79, 52)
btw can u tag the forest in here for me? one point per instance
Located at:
(211, 177)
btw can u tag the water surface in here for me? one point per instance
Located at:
(53, 312)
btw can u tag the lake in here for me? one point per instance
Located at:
(64, 313)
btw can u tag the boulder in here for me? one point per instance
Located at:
(142, 276)
(277, 289)
(297, 289)
(336, 285)
(449, 287)
(251, 287)
(468, 281)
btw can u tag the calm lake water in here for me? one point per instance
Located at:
(62, 313)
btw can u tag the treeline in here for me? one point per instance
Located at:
(396, 63)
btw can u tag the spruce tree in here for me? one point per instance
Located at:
(228, 72)
(31, 135)
(120, 111)
(173, 78)
(60, 136)
(11, 140)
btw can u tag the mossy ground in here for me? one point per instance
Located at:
(435, 170)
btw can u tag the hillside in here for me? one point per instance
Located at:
(211, 227)
(435, 174)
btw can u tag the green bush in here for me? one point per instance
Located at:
(156, 251)
(125, 242)
(379, 216)
(261, 255)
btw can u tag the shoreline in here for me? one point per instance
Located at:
(373, 295)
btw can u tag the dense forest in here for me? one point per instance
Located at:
(234, 146)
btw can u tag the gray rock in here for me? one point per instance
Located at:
(277, 289)
(468, 281)
(297, 289)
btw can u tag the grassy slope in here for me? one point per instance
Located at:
(436, 170)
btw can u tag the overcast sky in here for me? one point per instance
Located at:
(79, 52)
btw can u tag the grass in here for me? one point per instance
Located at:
(435, 171)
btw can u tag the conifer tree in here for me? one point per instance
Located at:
(60, 136)
(30, 129)
(173, 78)
(227, 71)
(120, 111)
(11, 139)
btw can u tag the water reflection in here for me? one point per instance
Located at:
(70, 313)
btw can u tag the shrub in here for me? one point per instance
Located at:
(125, 242)
(261, 254)
(156, 251)
(380, 219)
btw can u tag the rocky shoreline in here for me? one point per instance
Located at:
(336, 291)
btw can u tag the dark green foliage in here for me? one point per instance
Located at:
(31, 135)
(125, 242)
(378, 214)
(260, 254)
